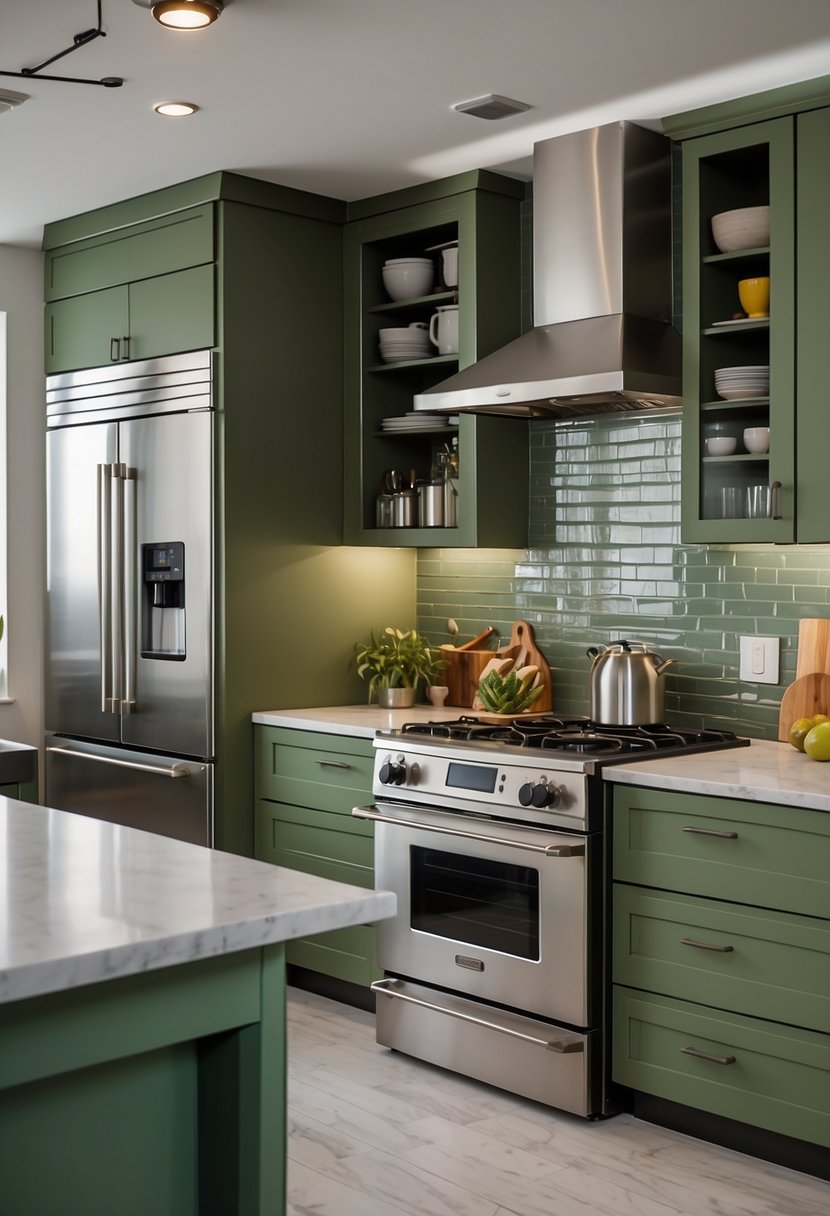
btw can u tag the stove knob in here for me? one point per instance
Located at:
(393, 772)
(543, 795)
(526, 794)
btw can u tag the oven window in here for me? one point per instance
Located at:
(482, 903)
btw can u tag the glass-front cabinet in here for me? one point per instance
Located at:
(432, 280)
(739, 475)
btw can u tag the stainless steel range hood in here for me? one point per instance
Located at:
(602, 288)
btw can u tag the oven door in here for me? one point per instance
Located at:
(492, 909)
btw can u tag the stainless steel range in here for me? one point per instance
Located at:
(491, 835)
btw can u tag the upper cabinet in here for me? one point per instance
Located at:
(739, 367)
(755, 397)
(390, 451)
(138, 292)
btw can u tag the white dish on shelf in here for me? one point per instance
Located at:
(741, 394)
(738, 321)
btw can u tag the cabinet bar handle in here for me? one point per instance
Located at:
(705, 1055)
(115, 350)
(711, 832)
(689, 941)
(333, 764)
(126, 342)
(774, 509)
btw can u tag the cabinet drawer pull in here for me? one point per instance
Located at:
(333, 764)
(705, 1055)
(689, 941)
(711, 832)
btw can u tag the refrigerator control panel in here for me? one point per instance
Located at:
(163, 611)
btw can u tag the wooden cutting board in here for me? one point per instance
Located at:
(528, 653)
(813, 647)
(465, 667)
(806, 696)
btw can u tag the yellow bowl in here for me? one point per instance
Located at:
(754, 296)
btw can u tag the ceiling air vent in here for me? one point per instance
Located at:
(10, 101)
(492, 106)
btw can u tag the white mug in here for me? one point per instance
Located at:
(449, 258)
(443, 329)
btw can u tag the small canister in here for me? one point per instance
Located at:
(403, 509)
(431, 504)
(383, 511)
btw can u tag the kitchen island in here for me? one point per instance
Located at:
(142, 1030)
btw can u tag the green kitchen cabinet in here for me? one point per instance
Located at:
(137, 292)
(721, 957)
(290, 599)
(767, 150)
(306, 785)
(481, 211)
(750, 167)
(153, 317)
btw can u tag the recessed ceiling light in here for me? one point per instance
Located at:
(10, 100)
(187, 14)
(175, 109)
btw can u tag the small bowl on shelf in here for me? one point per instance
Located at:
(756, 439)
(408, 278)
(721, 445)
(744, 228)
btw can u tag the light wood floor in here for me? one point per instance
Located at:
(374, 1133)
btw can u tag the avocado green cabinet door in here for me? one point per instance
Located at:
(751, 167)
(87, 331)
(172, 313)
(813, 272)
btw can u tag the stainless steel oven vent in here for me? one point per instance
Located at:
(602, 288)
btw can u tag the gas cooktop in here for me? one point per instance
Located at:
(574, 737)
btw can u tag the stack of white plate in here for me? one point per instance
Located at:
(735, 383)
(415, 420)
(404, 342)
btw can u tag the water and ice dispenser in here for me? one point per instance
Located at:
(163, 601)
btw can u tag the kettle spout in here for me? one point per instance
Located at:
(661, 667)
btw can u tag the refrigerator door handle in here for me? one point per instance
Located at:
(104, 539)
(116, 583)
(129, 572)
(171, 770)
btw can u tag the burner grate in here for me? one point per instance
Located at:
(576, 736)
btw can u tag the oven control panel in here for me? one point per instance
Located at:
(451, 778)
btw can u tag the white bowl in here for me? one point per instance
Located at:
(408, 262)
(406, 280)
(741, 229)
(756, 439)
(721, 445)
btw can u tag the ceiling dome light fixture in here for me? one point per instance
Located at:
(187, 14)
(175, 109)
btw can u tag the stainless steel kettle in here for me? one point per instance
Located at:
(627, 688)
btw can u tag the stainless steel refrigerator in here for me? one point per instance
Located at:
(130, 594)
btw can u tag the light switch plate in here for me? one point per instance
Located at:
(760, 660)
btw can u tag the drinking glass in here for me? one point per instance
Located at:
(733, 502)
(758, 502)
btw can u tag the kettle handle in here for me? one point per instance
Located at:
(593, 652)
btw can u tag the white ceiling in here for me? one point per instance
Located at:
(350, 98)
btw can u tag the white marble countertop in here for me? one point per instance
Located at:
(361, 721)
(763, 772)
(85, 901)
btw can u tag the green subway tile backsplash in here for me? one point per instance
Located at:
(604, 561)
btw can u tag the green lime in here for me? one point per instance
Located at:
(799, 731)
(817, 742)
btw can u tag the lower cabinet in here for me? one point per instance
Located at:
(306, 784)
(721, 957)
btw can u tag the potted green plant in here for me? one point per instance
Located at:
(395, 662)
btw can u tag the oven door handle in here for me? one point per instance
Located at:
(548, 850)
(560, 1046)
